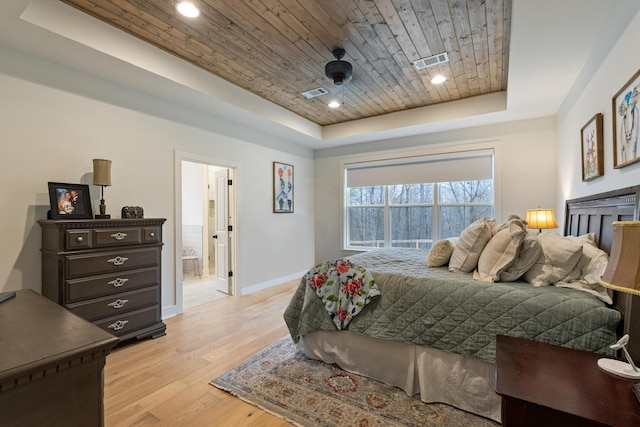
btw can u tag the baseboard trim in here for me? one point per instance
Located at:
(270, 283)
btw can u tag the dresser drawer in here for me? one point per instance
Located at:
(110, 262)
(77, 239)
(151, 234)
(105, 237)
(129, 322)
(116, 304)
(108, 284)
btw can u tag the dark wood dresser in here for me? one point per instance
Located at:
(107, 271)
(51, 365)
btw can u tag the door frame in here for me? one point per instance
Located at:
(181, 156)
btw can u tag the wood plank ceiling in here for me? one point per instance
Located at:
(278, 49)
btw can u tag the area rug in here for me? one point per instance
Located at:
(282, 381)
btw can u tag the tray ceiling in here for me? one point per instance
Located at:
(278, 49)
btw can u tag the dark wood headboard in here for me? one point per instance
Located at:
(596, 214)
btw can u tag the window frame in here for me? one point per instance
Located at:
(435, 214)
(492, 148)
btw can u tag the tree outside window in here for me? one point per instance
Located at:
(415, 215)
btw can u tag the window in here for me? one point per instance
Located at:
(401, 213)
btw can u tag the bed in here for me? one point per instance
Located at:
(432, 331)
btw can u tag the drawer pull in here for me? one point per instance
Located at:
(118, 282)
(119, 303)
(79, 239)
(152, 234)
(119, 236)
(119, 260)
(118, 325)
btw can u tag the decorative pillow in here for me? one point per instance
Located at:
(591, 266)
(585, 240)
(501, 251)
(559, 256)
(530, 250)
(441, 251)
(470, 245)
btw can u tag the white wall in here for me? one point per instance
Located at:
(615, 70)
(51, 134)
(525, 171)
(192, 191)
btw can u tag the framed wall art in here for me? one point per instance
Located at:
(592, 148)
(282, 188)
(69, 201)
(626, 123)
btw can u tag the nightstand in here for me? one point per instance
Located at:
(546, 385)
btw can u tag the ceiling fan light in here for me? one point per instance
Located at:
(438, 79)
(188, 9)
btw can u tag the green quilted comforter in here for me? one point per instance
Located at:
(453, 312)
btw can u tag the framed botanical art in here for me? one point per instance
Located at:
(69, 201)
(592, 151)
(282, 188)
(626, 123)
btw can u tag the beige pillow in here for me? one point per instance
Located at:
(470, 244)
(587, 272)
(530, 250)
(586, 240)
(559, 256)
(441, 251)
(501, 251)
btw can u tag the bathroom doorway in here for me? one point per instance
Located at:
(205, 243)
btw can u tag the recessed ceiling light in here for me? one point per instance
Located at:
(188, 9)
(438, 79)
(334, 104)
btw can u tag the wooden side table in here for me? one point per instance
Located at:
(546, 385)
(51, 364)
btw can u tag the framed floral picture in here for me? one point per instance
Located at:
(626, 123)
(70, 201)
(282, 188)
(592, 151)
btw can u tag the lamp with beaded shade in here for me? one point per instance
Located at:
(623, 270)
(623, 275)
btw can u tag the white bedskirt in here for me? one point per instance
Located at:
(438, 376)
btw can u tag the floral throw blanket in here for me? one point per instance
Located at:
(343, 287)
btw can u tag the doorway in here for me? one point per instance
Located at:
(205, 245)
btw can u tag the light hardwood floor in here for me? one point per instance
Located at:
(166, 381)
(196, 291)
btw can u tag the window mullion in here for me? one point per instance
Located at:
(387, 218)
(435, 232)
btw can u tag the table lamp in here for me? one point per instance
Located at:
(541, 218)
(102, 177)
(623, 275)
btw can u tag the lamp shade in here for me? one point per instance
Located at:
(101, 172)
(541, 218)
(623, 270)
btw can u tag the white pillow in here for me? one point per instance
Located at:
(559, 256)
(590, 267)
(530, 250)
(470, 244)
(501, 251)
(441, 251)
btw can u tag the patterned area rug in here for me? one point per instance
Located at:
(282, 381)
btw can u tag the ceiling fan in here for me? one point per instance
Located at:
(338, 70)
